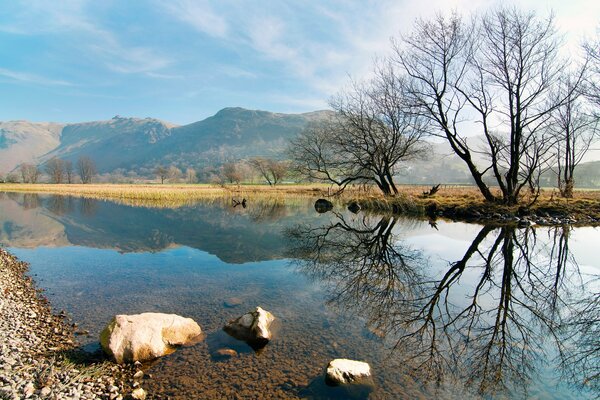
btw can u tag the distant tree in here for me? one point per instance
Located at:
(29, 173)
(162, 173)
(69, 173)
(174, 174)
(55, 169)
(12, 178)
(231, 172)
(86, 168)
(190, 175)
(273, 171)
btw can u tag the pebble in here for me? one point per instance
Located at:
(29, 331)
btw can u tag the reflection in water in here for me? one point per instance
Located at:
(492, 330)
(31, 200)
(236, 235)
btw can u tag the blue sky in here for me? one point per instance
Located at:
(183, 60)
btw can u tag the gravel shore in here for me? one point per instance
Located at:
(39, 356)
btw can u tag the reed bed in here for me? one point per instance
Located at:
(410, 200)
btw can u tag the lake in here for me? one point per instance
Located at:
(439, 309)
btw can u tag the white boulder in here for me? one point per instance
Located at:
(142, 337)
(342, 371)
(253, 327)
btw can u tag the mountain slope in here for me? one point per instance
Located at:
(23, 141)
(133, 143)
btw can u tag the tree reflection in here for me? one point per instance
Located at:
(486, 318)
(372, 274)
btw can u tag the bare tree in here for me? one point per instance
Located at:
(86, 168)
(372, 133)
(174, 174)
(162, 173)
(273, 171)
(55, 169)
(29, 172)
(592, 91)
(69, 173)
(190, 175)
(231, 172)
(498, 71)
(574, 130)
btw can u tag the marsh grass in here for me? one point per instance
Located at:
(462, 200)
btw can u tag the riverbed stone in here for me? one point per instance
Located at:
(323, 205)
(146, 336)
(252, 327)
(342, 371)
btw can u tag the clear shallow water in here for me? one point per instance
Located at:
(451, 311)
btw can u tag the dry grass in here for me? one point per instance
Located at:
(166, 195)
(462, 199)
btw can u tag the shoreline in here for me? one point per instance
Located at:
(39, 355)
(457, 203)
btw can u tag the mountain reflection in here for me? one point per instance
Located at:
(235, 235)
(490, 319)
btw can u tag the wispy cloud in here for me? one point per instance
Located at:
(200, 15)
(73, 17)
(32, 78)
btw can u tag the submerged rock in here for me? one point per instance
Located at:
(252, 327)
(233, 302)
(142, 337)
(322, 206)
(224, 353)
(354, 207)
(342, 371)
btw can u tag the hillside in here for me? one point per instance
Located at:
(23, 141)
(135, 143)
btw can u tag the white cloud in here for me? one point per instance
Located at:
(32, 78)
(72, 16)
(200, 15)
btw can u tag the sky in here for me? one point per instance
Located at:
(183, 60)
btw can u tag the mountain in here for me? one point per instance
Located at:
(136, 143)
(116, 143)
(23, 141)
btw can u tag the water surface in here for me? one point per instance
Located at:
(439, 309)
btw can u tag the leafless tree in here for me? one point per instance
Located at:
(11, 177)
(574, 128)
(273, 171)
(372, 133)
(174, 174)
(592, 90)
(497, 70)
(29, 173)
(55, 169)
(86, 169)
(162, 172)
(190, 175)
(69, 173)
(231, 172)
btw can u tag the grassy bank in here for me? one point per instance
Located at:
(466, 203)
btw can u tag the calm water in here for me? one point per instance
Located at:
(445, 310)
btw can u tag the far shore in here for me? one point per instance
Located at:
(463, 203)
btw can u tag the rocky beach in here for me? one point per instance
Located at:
(39, 355)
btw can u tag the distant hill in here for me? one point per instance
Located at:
(23, 141)
(135, 143)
